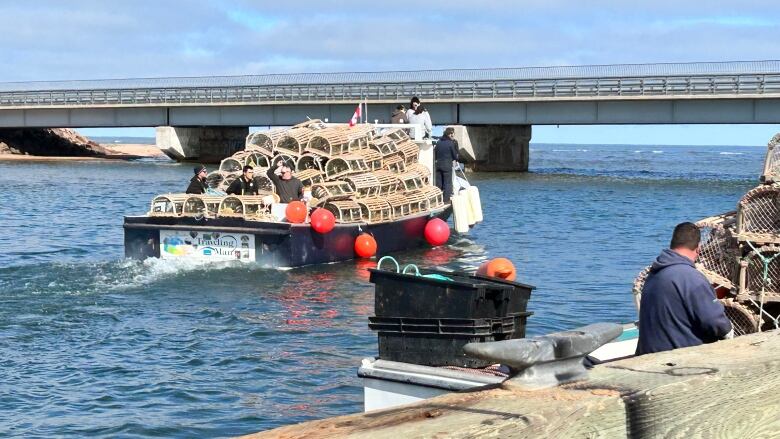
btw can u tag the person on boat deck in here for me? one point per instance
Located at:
(399, 115)
(288, 187)
(446, 153)
(245, 184)
(678, 306)
(417, 114)
(198, 181)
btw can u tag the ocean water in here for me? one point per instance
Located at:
(93, 345)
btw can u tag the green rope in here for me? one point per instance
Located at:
(766, 261)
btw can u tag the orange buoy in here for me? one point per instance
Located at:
(296, 212)
(501, 268)
(436, 232)
(322, 220)
(365, 245)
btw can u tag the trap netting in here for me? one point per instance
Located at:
(719, 250)
(771, 172)
(758, 214)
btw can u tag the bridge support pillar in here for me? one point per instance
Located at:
(494, 147)
(204, 144)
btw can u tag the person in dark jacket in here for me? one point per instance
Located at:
(399, 115)
(198, 181)
(678, 306)
(446, 153)
(288, 187)
(245, 184)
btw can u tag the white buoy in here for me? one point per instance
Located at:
(474, 203)
(460, 213)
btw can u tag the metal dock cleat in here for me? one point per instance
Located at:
(547, 360)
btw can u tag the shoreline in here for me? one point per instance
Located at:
(117, 151)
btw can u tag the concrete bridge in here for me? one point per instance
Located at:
(207, 117)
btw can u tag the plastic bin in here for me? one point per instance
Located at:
(463, 297)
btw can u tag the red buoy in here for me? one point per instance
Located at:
(296, 212)
(437, 232)
(365, 245)
(501, 268)
(322, 220)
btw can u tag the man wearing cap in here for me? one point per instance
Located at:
(198, 182)
(245, 184)
(446, 153)
(287, 187)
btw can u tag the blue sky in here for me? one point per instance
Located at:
(92, 39)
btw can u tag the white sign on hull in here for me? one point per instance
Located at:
(207, 246)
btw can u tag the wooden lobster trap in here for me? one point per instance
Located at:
(719, 251)
(342, 165)
(258, 207)
(384, 145)
(639, 284)
(332, 190)
(399, 205)
(310, 161)
(289, 160)
(359, 137)
(398, 134)
(434, 196)
(745, 318)
(220, 180)
(759, 275)
(364, 185)
(375, 210)
(758, 215)
(345, 211)
(257, 160)
(329, 142)
(410, 181)
(231, 207)
(422, 171)
(231, 164)
(418, 201)
(371, 157)
(264, 184)
(771, 172)
(294, 141)
(310, 177)
(264, 141)
(201, 206)
(167, 205)
(394, 163)
(409, 151)
(388, 181)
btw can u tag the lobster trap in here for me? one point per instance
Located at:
(371, 157)
(434, 196)
(375, 210)
(384, 145)
(329, 142)
(394, 163)
(290, 160)
(201, 206)
(758, 215)
(256, 160)
(388, 181)
(744, 317)
(294, 141)
(410, 181)
(771, 173)
(220, 180)
(399, 204)
(409, 151)
(397, 134)
(422, 171)
(167, 205)
(310, 177)
(639, 284)
(345, 165)
(345, 211)
(310, 161)
(231, 207)
(264, 184)
(417, 200)
(759, 274)
(332, 190)
(364, 185)
(719, 250)
(264, 141)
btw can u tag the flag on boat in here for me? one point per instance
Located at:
(356, 116)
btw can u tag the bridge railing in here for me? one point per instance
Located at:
(669, 86)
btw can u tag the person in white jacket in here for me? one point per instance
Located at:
(417, 114)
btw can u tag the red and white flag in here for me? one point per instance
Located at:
(356, 116)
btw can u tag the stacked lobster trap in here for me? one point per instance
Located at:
(358, 174)
(740, 253)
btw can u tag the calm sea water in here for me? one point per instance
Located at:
(93, 345)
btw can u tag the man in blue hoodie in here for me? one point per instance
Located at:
(678, 307)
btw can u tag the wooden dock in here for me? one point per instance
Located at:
(729, 389)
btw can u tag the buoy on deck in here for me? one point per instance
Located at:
(322, 220)
(460, 212)
(499, 267)
(295, 212)
(437, 232)
(475, 203)
(365, 245)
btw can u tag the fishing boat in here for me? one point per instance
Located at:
(374, 179)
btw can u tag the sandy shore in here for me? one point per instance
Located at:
(118, 151)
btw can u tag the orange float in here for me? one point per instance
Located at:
(501, 268)
(365, 245)
(295, 212)
(322, 220)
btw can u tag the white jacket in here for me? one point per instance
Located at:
(423, 118)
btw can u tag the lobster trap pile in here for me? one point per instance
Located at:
(357, 173)
(740, 253)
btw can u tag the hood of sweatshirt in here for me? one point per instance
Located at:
(668, 258)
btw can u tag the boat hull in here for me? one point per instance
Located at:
(276, 244)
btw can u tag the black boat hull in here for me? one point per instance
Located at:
(278, 244)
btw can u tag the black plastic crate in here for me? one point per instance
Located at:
(417, 346)
(464, 296)
(479, 327)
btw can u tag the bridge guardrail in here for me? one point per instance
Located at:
(668, 86)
